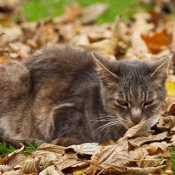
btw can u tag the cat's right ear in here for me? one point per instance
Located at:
(160, 67)
(103, 69)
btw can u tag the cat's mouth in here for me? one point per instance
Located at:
(127, 123)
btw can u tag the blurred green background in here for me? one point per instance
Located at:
(37, 9)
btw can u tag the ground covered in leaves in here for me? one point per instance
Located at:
(147, 36)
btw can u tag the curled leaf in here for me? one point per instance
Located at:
(31, 165)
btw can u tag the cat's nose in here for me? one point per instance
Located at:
(136, 120)
(136, 115)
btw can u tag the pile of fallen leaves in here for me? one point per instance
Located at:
(148, 36)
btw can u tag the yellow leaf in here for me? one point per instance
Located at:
(79, 172)
(170, 87)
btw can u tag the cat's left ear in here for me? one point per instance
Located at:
(103, 68)
(160, 67)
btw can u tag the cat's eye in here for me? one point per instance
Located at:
(149, 102)
(122, 102)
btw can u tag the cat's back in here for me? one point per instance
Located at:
(65, 60)
(61, 70)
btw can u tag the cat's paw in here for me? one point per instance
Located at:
(67, 141)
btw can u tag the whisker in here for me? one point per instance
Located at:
(102, 118)
(109, 129)
(109, 124)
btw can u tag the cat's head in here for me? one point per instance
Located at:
(132, 91)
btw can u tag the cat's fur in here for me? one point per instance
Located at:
(70, 96)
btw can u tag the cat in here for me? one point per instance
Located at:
(66, 96)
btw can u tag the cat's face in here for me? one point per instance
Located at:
(133, 101)
(133, 91)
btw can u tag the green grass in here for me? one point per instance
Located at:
(7, 149)
(172, 157)
(29, 148)
(38, 9)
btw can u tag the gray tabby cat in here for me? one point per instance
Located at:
(70, 96)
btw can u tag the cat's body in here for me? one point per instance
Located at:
(62, 94)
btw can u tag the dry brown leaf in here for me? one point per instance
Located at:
(67, 32)
(68, 160)
(146, 16)
(141, 24)
(79, 40)
(114, 156)
(71, 12)
(170, 78)
(50, 160)
(10, 35)
(157, 41)
(47, 147)
(145, 156)
(139, 153)
(11, 155)
(166, 122)
(104, 48)
(107, 47)
(49, 153)
(31, 165)
(93, 164)
(5, 168)
(86, 148)
(10, 4)
(169, 105)
(151, 138)
(133, 131)
(17, 160)
(153, 161)
(141, 156)
(51, 171)
(130, 56)
(4, 58)
(139, 47)
(157, 147)
(53, 154)
(95, 37)
(91, 13)
(14, 172)
(144, 171)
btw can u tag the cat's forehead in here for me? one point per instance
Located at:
(134, 93)
(132, 67)
(133, 75)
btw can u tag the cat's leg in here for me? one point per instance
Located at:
(69, 126)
